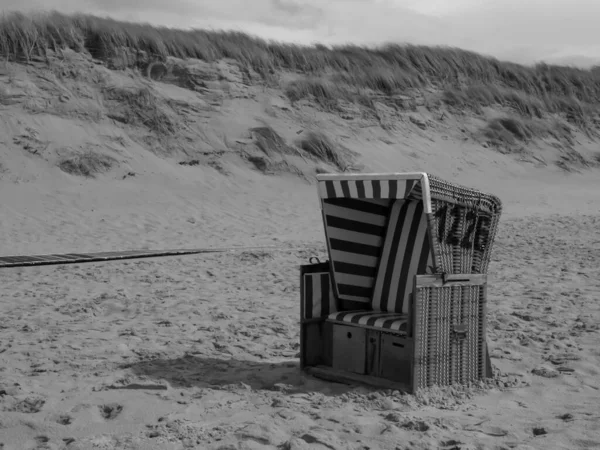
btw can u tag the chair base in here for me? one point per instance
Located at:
(356, 355)
(340, 376)
(343, 377)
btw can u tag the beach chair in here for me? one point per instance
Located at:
(401, 302)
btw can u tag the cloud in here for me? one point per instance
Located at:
(186, 13)
(295, 8)
(546, 26)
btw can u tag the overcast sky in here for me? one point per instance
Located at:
(520, 30)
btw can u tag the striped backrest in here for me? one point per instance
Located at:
(406, 252)
(355, 229)
(368, 189)
(318, 299)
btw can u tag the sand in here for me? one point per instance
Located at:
(202, 351)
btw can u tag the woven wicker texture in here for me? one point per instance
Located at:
(449, 333)
(463, 227)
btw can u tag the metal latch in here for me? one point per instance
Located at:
(459, 332)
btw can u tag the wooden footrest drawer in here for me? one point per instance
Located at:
(349, 348)
(395, 358)
(362, 351)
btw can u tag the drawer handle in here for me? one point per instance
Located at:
(349, 335)
(396, 344)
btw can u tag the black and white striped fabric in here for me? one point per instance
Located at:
(406, 253)
(318, 299)
(392, 188)
(373, 319)
(355, 230)
(376, 248)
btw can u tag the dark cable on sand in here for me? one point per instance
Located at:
(78, 258)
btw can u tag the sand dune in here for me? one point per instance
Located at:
(202, 351)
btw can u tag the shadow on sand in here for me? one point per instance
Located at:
(207, 372)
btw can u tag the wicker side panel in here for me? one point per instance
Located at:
(449, 334)
(464, 223)
(463, 237)
(488, 237)
(455, 193)
(436, 250)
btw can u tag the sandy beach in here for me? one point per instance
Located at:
(202, 352)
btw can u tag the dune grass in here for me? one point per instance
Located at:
(87, 164)
(510, 131)
(321, 147)
(141, 106)
(345, 72)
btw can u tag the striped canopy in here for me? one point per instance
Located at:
(377, 186)
(377, 235)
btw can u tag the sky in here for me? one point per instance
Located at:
(524, 31)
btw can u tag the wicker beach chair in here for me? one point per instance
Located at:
(401, 302)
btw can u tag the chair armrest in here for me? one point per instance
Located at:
(317, 299)
(450, 280)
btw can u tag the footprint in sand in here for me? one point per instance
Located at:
(42, 443)
(64, 419)
(29, 405)
(545, 372)
(417, 425)
(451, 444)
(110, 411)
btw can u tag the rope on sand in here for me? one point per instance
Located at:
(78, 258)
